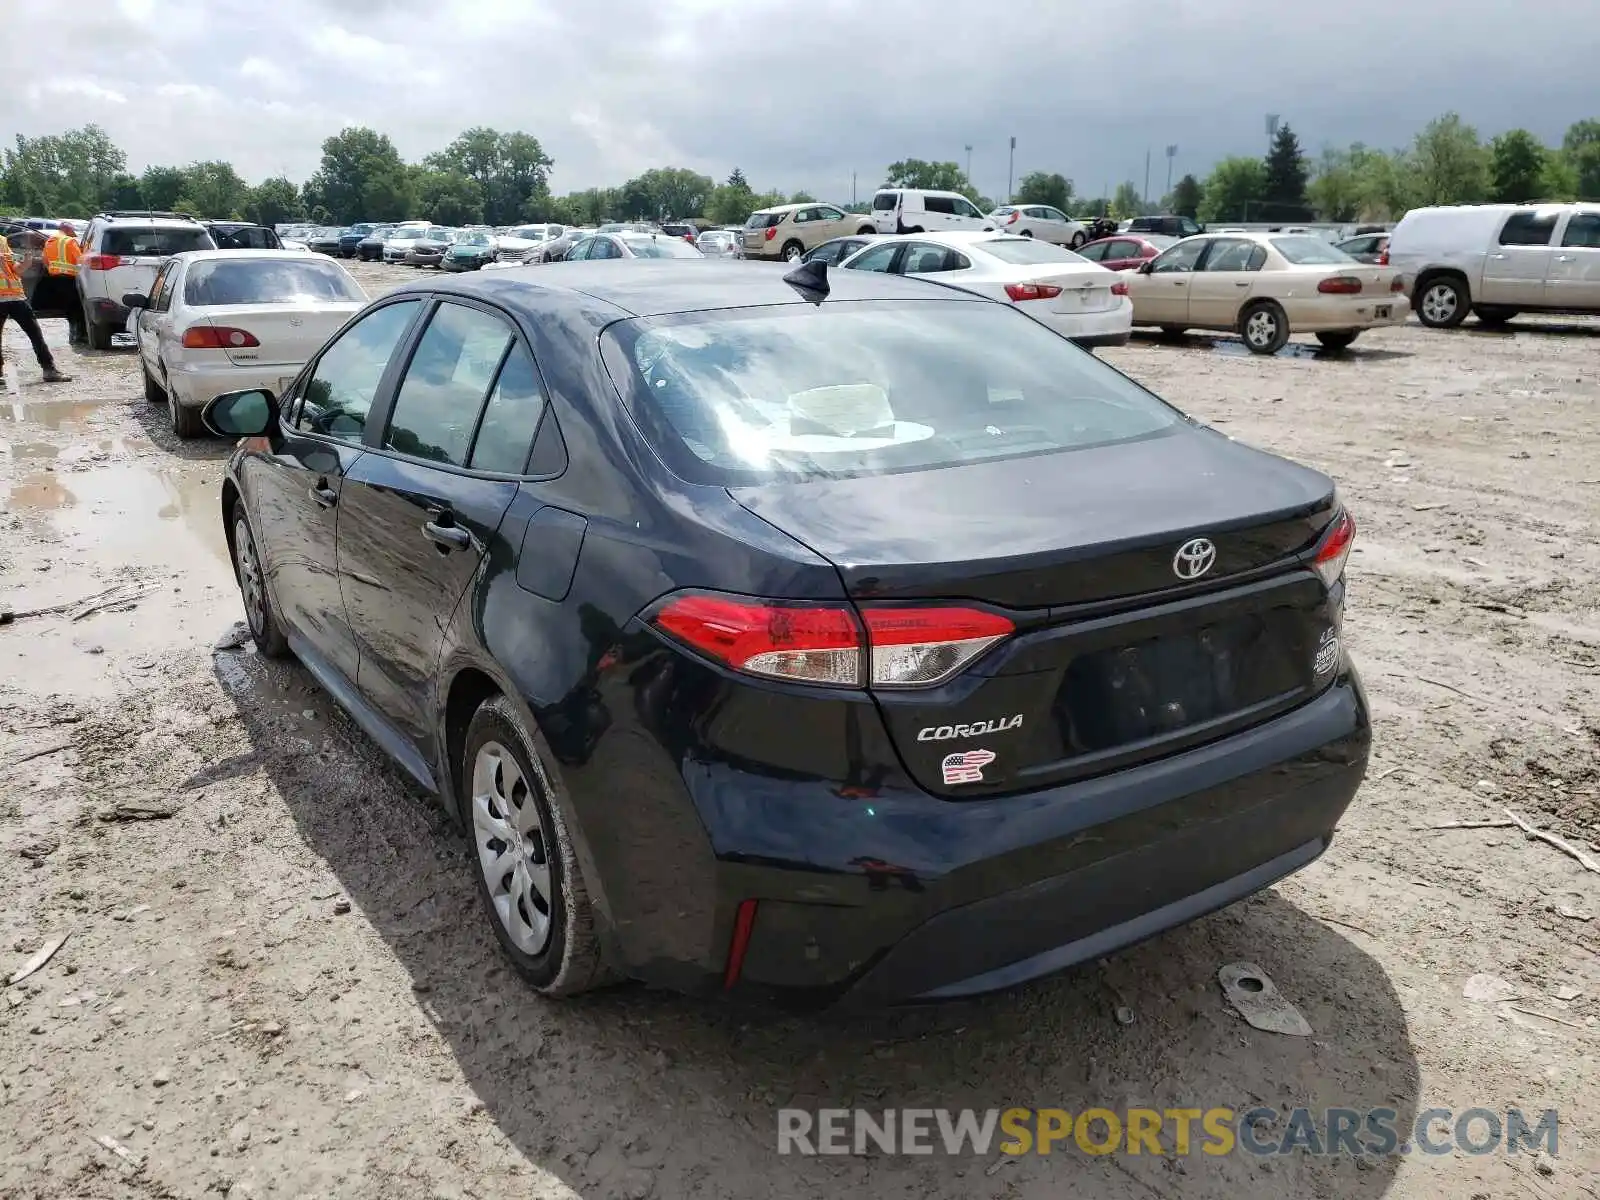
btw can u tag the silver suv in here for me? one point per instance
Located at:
(122, 251)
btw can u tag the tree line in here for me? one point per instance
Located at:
(501, 178)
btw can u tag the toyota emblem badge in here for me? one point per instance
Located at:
(1194, 558)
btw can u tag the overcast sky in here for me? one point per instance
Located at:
(797, 95)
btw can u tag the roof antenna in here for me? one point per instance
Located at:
(810, 279)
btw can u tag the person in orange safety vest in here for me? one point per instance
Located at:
(59, 287)
(14, 306)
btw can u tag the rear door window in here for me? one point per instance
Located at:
(1180, 258)
(446, 383)
(511, 418)
(1229, 254)
(1529, 227)
(133, 242)
(1583, 229)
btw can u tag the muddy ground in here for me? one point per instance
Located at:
(279, 983)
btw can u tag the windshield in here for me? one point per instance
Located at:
(1306, 251)
(1028, 251)
(381, 233)
(529, 233)
(662, 247)
(741, 396)
(268, 281)
(473, 239)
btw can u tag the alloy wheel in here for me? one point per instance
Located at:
(1261, 328)
(1439, 303)
(513, 845)
(250, 583)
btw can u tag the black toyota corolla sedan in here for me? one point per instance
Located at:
(861, 643)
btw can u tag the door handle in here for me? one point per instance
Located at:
(1180, 283)
(447, 537)
(1241, 283)
(323, 494)
(1563, 258)
(1498, 257)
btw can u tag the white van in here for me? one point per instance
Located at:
(912, 210)
(1498, 260)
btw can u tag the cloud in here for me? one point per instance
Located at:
(615, 86)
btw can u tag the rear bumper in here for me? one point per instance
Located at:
(108, 312)
(867, 899)
(1110, 327)
(196, 385)
(1341, 313)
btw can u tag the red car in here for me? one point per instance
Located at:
(1126, 251)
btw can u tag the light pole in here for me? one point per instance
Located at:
(969, 163)
(1011, 171)
(1144, 196)
(1272, 130)
(1172, 153)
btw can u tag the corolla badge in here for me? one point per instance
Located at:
(1194, 558)
(944, 733)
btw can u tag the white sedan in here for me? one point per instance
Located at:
(1075, 297)
(1265, 287)
(226, 320)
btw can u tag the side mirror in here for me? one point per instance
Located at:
(241, 414)
(1145, 266)
(135, 300)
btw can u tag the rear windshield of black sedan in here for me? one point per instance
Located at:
(743, 396)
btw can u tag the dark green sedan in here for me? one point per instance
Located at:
(469, 252)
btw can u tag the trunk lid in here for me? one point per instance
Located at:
(1116, 659)
(1082, 291)
(288, 333)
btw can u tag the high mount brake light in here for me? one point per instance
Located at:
(1335, 548)
(828, 643)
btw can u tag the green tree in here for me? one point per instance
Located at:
(1186, 197)
(731, 204)
(1516, 167)
(1581, 147)
(1127, 202)
(73, 173)
(213, 190)
(1234, 187)
(664, 192)
(161, 187)
(355, 160)
(802, 198)
(1558, 181)
(737, 180)
(1334, 191)
(1385, 183)
(511, 170)
(1038, 187)
(124, 192)
(932, 176)
(1285, 186)
(447, 197)
(1451, 165)
(273, 201)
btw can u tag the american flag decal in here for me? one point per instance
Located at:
(966, 766)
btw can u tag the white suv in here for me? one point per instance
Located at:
(912, 210)
(1498, 260)
(122, 252)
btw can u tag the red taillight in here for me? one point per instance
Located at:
(809, 643)
(1119, 288)
(1399, 284)
(1383, 257)
(1011, 217)
(1335, 548)
(689, 237)
(102, 262)
(1032, 291)
(744, 923)
(772, 232)
(217, 337)
(914, 647)
(1340, 285)
(827, 644)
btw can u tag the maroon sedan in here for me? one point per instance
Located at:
(1127, 250)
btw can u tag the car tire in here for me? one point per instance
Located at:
(1078, 239)
(1494, 317)
(1027, 233)
(252, 580)
(866, 231)
(153, 391)
(915, 229)
(1442, 302)
(529, 880)
(1173, 331)
(1264, 327)
(1338, 341)
(792, 251)
(98, 333)
(186, 422)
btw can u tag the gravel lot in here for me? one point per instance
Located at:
(278, 981)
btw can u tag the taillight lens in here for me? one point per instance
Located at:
(1383, 257)
(217, 337)
(1335, 548)
(1340, 285)
(1119, 288)
(808, 643)
(827, 643)
(102, 262)
(1032, 291)
(915, 647)
(1399, 284)
(1011, 217)
(772, 232)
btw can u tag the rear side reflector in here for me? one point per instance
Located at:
(1340, 285)
(1335, 548)
(217, 337)
(744, 923)
(1032, 291)
(829, 644)
(102, 262)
